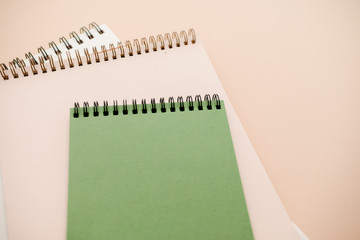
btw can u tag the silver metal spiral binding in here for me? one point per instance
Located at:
(153, 43)
(33, 67)
(77, 53)
(16, 62)
(55, 47)
(30, 57)
(69, 58)
(42, 64)
(52, 64)
(61, 62)
(3, 67)
(112, 48)
(98, 29)
(43, 52)
(160, 39)
(12, 69)
(211, 103)
(96, 54)
(87, 55)
(103, 49)
(168, 39)
(137, 45)
(129, 47)
(76, 36)
(122, 51)
(145, 45)
(22, 67)
(175, 36)
(192, 34)
(65, 42)
(87, 32)
(184, 36)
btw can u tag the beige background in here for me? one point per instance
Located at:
(291, 69)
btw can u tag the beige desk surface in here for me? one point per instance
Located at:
(291, 69)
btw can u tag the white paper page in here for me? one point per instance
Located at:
(35, 135)
(301, 234)
(3, 228)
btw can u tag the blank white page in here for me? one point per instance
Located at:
(34, 127)
(3, 227)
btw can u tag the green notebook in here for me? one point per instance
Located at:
(162, 171)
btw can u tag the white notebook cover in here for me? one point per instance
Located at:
(35, 140)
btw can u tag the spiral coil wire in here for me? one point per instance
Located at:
(162, 106)
(130, 48)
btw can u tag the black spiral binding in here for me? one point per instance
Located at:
(182, 106)
(115, 108)
(199, 102)
(86, 109)
(106, 108)
(208, 101)
(216, 99)
(144, 106)
(162, 105)
(172, 104)
(125, 107)
(96, 109)
(153, 105)
(181, 103)
(76, 110)
(190, 102)
(134, 107)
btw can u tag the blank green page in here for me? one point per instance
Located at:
(154, 176)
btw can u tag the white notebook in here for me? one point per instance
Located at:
(35, 128)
